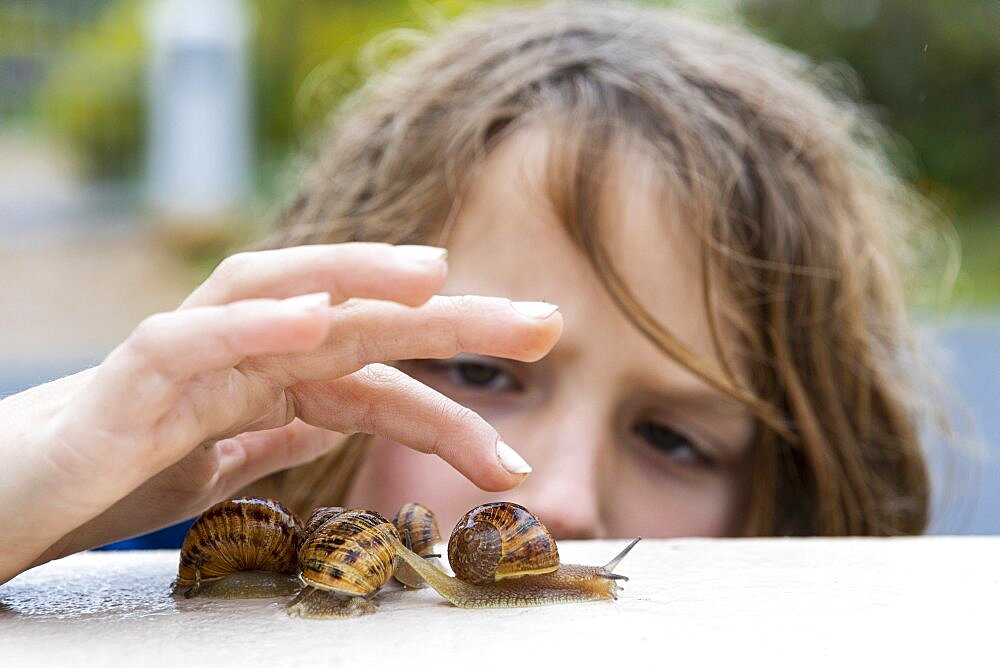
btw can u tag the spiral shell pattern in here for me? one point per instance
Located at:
(500, 540)
(351, 553)
(242, 534)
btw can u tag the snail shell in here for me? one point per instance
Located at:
(349, 554)
(318, 517)
(501, 540)
(240, 535)
(344, 562)
(418, 530)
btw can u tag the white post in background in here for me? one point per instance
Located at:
(199, 111)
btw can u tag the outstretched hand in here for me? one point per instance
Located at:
(265, 366)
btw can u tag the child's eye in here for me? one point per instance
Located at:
(671, 443)
(479, 375)
(466, 377)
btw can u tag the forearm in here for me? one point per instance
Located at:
(30, 524)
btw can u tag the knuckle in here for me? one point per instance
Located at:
(458, 313)
(146, 335)
(220, 339)
(368, 420)
(444, 334)
(363, 351)
(462, 304)
(334, 284)
(458, 415)
(146, 346)
(233, 265)
(434, 447)
(379, 374)
(457, 423)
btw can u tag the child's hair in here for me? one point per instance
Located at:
(801, 227)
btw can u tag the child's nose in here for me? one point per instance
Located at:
(564, 489)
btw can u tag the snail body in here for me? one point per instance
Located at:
(526, 568)
(241, 548)
(567, 584)
(344, 562)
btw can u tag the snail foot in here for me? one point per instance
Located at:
(313, 603)
(243, 584)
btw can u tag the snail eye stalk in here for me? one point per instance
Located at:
(613, 564)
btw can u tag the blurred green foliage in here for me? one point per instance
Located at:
(93, 95)
(978, 283)
(306, 55)
(310, 53)
(932, 68)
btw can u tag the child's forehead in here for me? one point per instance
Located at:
(637, 214)
(515, 208)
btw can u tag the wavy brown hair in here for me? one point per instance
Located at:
(801, 224)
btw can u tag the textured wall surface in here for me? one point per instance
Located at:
(784, 601)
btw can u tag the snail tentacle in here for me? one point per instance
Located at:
(609, 567)
(613, 564)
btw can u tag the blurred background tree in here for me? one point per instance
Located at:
(930, 68)
(307, 54)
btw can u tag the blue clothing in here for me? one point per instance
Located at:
(168, 538)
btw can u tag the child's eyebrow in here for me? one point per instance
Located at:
(701, 398)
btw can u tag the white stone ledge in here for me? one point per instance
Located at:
(802, 602)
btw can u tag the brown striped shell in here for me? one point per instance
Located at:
(243, 534)
(417, 528)
(319, 517)
(500, 540)
(351, 553)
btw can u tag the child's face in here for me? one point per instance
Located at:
(623, 441)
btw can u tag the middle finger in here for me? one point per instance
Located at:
(363, 332)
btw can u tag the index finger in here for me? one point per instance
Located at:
(406, 274)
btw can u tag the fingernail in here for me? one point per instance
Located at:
(540, 310)
(510, 460)
(426, 254)
(310, 302)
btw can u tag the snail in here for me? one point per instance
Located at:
(344, 562)
(241, 548)
(418, 530)
(504, 557)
